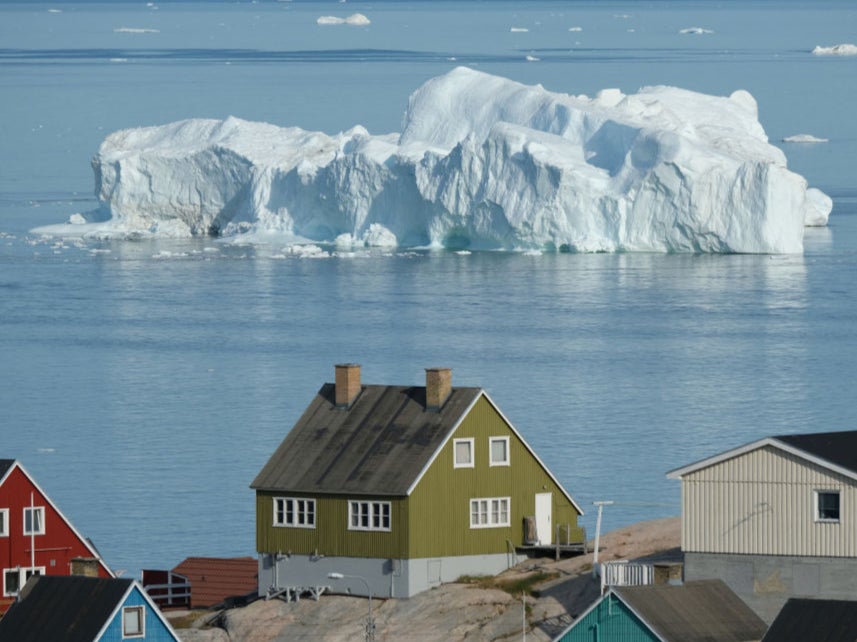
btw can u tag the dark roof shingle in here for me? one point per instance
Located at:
(700, 611)
(377, 446)
(839, 448)
(803, 619)
(71, 609)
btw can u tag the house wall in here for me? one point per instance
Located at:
(609, 620)
(763, 502)
(385, 577)
(331, 537)
(439, 516)
(53, 551)
(765, 582)
(156, 630)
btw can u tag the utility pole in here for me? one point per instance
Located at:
(600, 505)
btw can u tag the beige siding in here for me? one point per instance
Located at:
(763, 502)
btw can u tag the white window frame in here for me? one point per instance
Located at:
(369, 515)
(141, 633)
(817, 506)
(492, 462)
(303, 512)
(455, 443)
(4, 522)
(24, 574)
(489, 512)
(39, 510)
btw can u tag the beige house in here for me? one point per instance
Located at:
(774, 519)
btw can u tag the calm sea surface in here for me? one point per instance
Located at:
(144, 384)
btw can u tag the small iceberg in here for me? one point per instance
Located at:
(696, 30)
(135, 30)
(804, 138)
(836, 50)
(355, 20)
(519, 30)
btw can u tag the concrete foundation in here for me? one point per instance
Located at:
(384, 577)
(765, 582)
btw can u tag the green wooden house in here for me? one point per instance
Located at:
(401, 488)
(704, 611)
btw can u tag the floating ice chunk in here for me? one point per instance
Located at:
(482, 162)
(519, 30)
(135, 30)
(355, 20)
(836, 50)
(804, 138)
(575, 28)
(531, 58)
(54, 10)
(696, 30)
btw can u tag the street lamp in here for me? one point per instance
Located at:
(370, 622)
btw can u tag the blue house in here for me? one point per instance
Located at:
(84, 609)
(704, 611)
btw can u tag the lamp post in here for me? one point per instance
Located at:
(370, 622)
(600, 505)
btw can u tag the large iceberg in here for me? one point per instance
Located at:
(482, 162)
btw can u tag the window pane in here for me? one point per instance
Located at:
(132, 621)
(828, 506)
(462, 452)
(12, 579)
(498, 451)
(310, 520)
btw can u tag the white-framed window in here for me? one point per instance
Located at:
(489, 512)
(368, 516)
(34, 520)
(462, 453)
(294, 511)
(4, 522)
(15, 578)
(499, 451)
(827, 506)
(133, 622)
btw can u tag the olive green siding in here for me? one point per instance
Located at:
(440, 504)
(331, 536)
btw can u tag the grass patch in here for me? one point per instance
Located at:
(514, 586)
(187, 620)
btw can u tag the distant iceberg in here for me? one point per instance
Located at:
(836, 50)
(482, 162)
(695, 30)
(804, 138)
(355, 20)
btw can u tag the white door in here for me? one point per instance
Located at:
(544, 518)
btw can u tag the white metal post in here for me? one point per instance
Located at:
(600, 505)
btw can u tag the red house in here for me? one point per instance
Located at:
(35, 537)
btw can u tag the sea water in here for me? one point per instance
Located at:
(144, 384)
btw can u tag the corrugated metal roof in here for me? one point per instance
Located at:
(839, 448)
(702, 611)
(377, 446)
(71, 609)
(214, 579)
(804, 619)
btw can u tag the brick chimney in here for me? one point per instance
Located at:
(347, 383)
(438, 387)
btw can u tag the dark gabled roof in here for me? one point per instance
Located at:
(377, 446)
(71, 609)
(839, 448)
(701, 611)
(818, 620)
(5, 465)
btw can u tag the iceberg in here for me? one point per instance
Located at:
(845, 49)
(482, 162)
